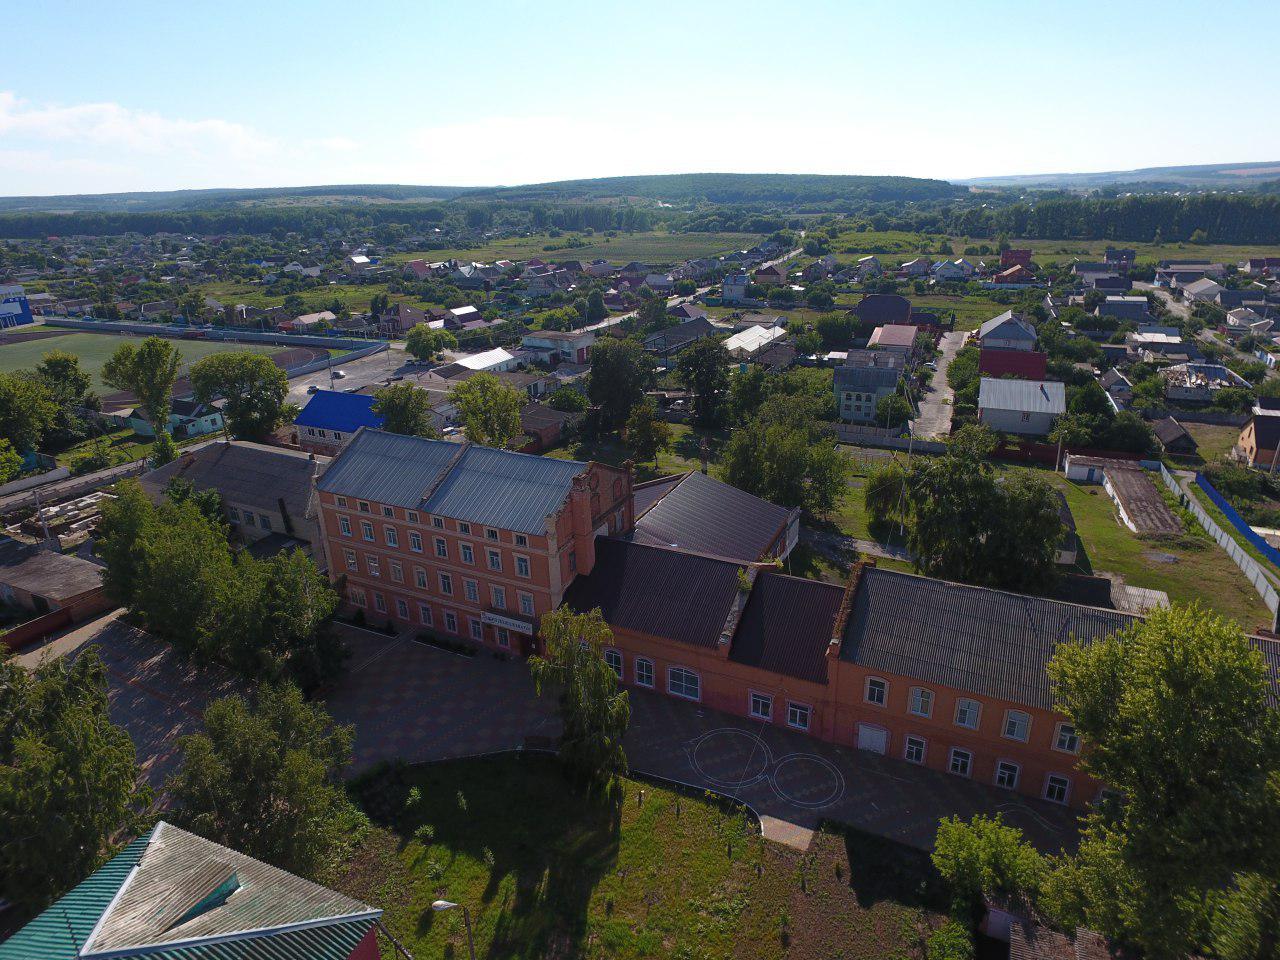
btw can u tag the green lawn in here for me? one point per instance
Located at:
(655, 247)
(1214, 442)
(684, 452)
(547, 873)
(353, 296)
(93, 349)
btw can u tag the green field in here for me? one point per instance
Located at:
(546, 872)
(654, 248)
(93, 349)
(354, 297)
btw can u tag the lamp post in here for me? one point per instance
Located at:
(440, 906)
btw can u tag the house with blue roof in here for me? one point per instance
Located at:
(331, 418)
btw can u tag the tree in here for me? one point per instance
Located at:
(1070, 430)
(596, 310)
(747, 391)
(783, 456)
(567, 399)
(253, 386)
(652, 314)
(974, 441)
(405, 409)
(647, 433)
(27, 411)
(266, 779)
(893, 410)
(69, 778)
(594, 713)
(1175, 711)
(703, 369)
(489, 410)
(985, 858)
(425, 343)
(621, 372)
(119, 539)
(10, 461)
(148, 372)
(208, 501)
(836, 329)
(62, 376)
(885, 493)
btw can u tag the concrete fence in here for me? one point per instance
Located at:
(212, 333)
(885, 439)
(1218, 418)
(1250, 567)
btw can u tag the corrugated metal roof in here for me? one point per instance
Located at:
(246, 473)
(1018, 329)
(707, 516)
(972, 638)
(786, 626)
(1028, 396)
(656, 591)
(497, 488)
(332, 410)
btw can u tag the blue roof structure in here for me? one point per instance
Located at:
(333, 410)
(496, 488)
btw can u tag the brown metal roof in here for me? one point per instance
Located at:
(705, 515)
(787, 625)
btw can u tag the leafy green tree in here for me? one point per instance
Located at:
(783, 456)
(208, 501)
(1071, 430)
(27, 411)
(652, 314)
(266, 779)
(621, 372)
(974, 441)
(69, 777)
(66, 381)
(148, 371)
(647, 433)
(567, 400)
(489, 410)
(885, 493)
(703, 369)
(836, 329)
(10, 461)
(405, 409)
(164, 450)
(253, 386)
(122, 531)
(424, 342)
(594, 713)
(985, 858)
(747, 391)
(596, 310)
(893, 410)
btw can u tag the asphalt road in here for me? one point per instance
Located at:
(934, 420)
(375, 369)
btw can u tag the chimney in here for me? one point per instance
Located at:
(584, 537)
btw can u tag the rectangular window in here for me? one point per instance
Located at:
(437, 522)
(503, 637)
(499, 596)
(913, 752)
(424, 613)
(264, 521)
(1007, 775)
(495, 561)
(350, 556)
(366, 530)
(877, 691)
(375, 569)
(490, 533)
(967, 713)
(451, 621)
(1067, 739)
(471, 591)
(345, 526)
(390, 536)
(362, 506)
(397, 572)
(614, 659)
(341, 502)
(420, 578)
(357, 597)
(526, 604)
(477, 630)
(521, 540)
(234, 514)
(644, 672)
(1057, 788)
(249, 518)
(1017, 725)
(415, 541)
(762, 706)
(684, 683)
(442, 548)
(921, 702)
(468, 555)
(798, 716)
(464, 527)
(411, 516)
(522, 567)
(961, 762)
(389, 512)
(446, 584)
(573, 561)
(380, 603)
(402, 609)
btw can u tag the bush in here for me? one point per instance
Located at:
(949, 942)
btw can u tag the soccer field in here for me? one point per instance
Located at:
(22, 349)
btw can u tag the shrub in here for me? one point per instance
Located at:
(949, 942)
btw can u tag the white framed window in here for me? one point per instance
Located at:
(402, 609)
(1057, 788)
(451, 621)
(437, 522)
(362, 506)
(415, 541)
(397, 571)
(504, 638)
(961, 762)
(1007, 773)
(913, 749)
(442, 548)
(390, 535)
(477, 630)
(1017, 725)
(522, 567)
(424, 613)
(614, 659)
(490, 533)
(344, 524)
(877, 691)
(249, 517)
(968, 713)
(921, 701)
(357, 596)
(264, 521)
(375, 567)
(379, 603)
(495, 561)
(761, 706)
(366, 530)
(352, 562)
(684, 683)
(522, 540)
(420, 578)
(466, 553)
(411, 516)
(644, 672)
(471, 590)
(389, 512)
(464, 527)
(526, 604)
(1066, 739)
(798, 715)
(340, 501)
(446, 584)
(499, 596)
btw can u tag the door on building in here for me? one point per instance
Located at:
(872, 738)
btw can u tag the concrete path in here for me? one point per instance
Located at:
(934, 419)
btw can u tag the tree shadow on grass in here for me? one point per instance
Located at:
(883, 869)
(545, 845)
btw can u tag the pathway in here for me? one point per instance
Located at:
(934, 418)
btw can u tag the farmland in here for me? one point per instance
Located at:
(655, 247)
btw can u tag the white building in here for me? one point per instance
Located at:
(1027, 407)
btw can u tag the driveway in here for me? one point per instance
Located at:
(934, 419)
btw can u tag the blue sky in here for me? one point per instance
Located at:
(152, 96)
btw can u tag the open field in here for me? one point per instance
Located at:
(354, 297)
(653, 247)
(1214, 442)
(93, 349)
(547, 873)
(683, 454)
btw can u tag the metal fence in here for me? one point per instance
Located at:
(1237, 521)
(1250, 567)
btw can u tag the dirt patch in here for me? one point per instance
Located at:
(25, 336)
(1156, 556)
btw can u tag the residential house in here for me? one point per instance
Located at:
(39, 579)
(460, 317)
(863, 380)
(1027, 407)
(1120, 257)
(599, 268)
(686, 311)
(1255, 297)
(545, 426)
(331, 418)
(898, 338)
(1118, 387)
(771, 276)
(1008, 331)
(775, 357)
(1203, 290)
(734, 288)
(881, 309)
(1260, 266)
(399, 318)
(1259, 441)
(660, 282)
(1015, 276)
(1198, 382)
(496, 360)
(669, 342)
(357, 264)
(919, 267)
(555, 346)
(171, 895)
(187, 418)
(418, 270)
(636, 269)
(1113, 286)
(868, 268)
(949, 271)
(1173, 436)
(309, 322)
(1124, 308)
(1021, 364)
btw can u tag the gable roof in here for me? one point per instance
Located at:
(787, 626)
(1007, 326)
(46, 573)
(496, 488)
(246, 473)
(171, 895)
(703, 515)
(1027, 396)
(334, 410)
(894, 335)
(882, 308)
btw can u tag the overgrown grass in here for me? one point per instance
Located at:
(547, 873)
(684, 452)
(355, 297)
(652, 247)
